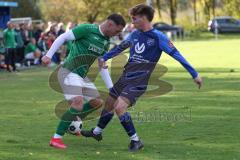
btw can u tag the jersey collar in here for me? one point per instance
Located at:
(101, 31)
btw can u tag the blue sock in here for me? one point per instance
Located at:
(127, 123)
(104, 119)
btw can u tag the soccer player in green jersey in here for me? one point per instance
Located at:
(90, 41)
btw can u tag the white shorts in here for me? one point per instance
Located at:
(73, 85)
(30, 55)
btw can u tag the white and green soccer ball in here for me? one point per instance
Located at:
(75, 127)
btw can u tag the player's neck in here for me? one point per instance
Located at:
(146, 27)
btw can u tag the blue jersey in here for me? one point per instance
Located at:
(146, 48)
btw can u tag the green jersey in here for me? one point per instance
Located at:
(9, 38)
(88, 45)
(30, 48)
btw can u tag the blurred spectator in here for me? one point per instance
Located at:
(30, 31)
(70, 25)
(52, 31)
(25, 33)
(43, 43)
(2, 51)
(51, 39)
(32, 52)
(56, 56)
(60, 29)
(10, 44)
(48, 27)
(38, 32)
(20, 45)
(25, 44)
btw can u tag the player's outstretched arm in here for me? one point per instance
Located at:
(197, 79)
(117, 50)
(67, 36)
(169, 48)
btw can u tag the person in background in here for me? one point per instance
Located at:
(52, 30)
(10, 44)
(51, 39)
(39, 31)
(43, 43)
(49, 24)
(20, 45)
(60, 29)
(30, 31)
(32, 52)
(69, 26)
(25, 33)
(2, 52)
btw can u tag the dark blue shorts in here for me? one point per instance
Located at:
(128, 89)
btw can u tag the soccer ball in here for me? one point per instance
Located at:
(75, 127)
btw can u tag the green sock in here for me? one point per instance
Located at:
(67, 118)
(70, 115)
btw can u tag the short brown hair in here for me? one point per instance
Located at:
(117, 18)
(143, 10)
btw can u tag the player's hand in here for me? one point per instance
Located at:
(198, 80)
(46, 60)
(102, 63)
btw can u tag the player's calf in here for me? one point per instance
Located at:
(105, 118)
(127, 123)
(90, 107)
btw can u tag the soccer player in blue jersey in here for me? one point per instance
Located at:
(146, 46)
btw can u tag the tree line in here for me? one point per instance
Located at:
(199, 11)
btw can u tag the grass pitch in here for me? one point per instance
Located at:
(185, 124)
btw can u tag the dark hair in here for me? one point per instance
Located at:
(143, 10)
(117, 18)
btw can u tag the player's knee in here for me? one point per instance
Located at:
(120, 109)
(96, 103)
(77, 103)
(109, 104)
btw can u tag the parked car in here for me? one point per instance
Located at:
(224, 25)
(164, 27)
